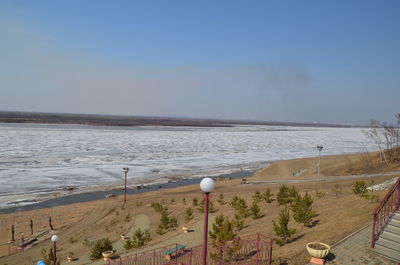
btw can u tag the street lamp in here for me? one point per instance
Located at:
(206, 185)
(55, 238)
(125, 170)
(319, 147)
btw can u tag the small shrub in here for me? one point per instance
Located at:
(221, 199)
(99, 247)
(139, 239)
(139, 203)
(320, 194)
(189, 214)
(195, 202)
(172, 201)
(337, 189)
(267, 195)
(48, 257)
(86, 242)
(184, 201)
(372, 196)
(211, 208)
(360, 188)
(128, 217)
(257, 197)
(159, 208)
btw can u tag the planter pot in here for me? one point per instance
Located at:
(123, 237)
(107, 254)
(70, 259)
(185, 229)
(318, 250)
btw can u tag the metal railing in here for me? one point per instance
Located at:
(384, 211)
(250, 250)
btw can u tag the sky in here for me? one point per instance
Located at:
(300, 61)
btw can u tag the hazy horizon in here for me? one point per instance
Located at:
(308, 61)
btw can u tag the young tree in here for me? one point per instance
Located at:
(240, 206)
(286, 195)
(221, 199)
(195, 202)
(267, 195)
(255, 211)
(222, 229)
(281, 230)
(189, 214)
(99, 247)
(211, 208)
(302, 210)
(238, 222)
(337, 189)
(257, 196)
(139, 239)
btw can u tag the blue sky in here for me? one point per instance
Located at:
(305, 61)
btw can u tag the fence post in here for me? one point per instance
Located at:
(176, 253)
(220, 255)
(258, 247)
(191, 255)
(31, 227)
(51, 226)
(270, 251)
(373, 232)
(136, 259)
(12, 233)
(154, 257)
(120, 261)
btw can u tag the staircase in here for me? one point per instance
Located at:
(388, 244)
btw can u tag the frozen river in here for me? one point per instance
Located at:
(36, 160)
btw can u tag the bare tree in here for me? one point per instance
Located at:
(374, 134)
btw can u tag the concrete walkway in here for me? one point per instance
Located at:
(355, 250)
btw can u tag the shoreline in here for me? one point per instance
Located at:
(117, 191)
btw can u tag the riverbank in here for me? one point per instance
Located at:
(110, 191)
(338, 215)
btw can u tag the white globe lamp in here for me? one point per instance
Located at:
(55, 238)
(207, 185)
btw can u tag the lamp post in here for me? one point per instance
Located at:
(319, 147)
(206, 185)
(22, 241)
(55, 238)
(125, 170)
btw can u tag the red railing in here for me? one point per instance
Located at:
(250, 250)
(384, 211)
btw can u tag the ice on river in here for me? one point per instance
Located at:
(38, 159)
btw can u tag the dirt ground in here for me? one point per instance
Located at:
(337, 217)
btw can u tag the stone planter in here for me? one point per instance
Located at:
(185, 229)
(70, 259)
(107, 254)
(319, 252)
(123, 237)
